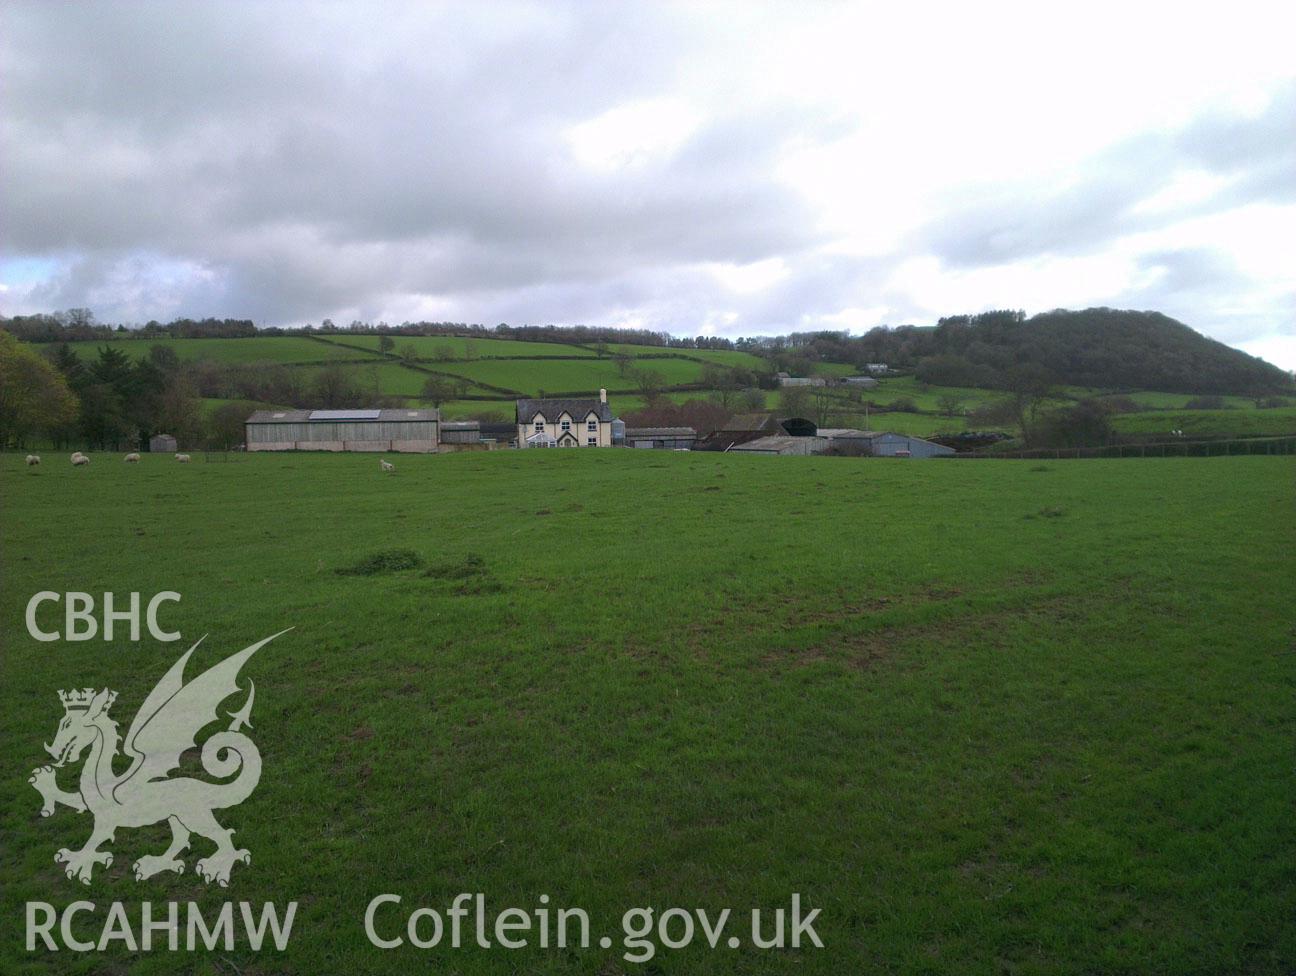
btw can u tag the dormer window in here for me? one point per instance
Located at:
(566, 425)
(539, 426)
(592, 426)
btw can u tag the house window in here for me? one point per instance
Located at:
(591, 441)
(539, 426)
(592, 426)
(566, 425)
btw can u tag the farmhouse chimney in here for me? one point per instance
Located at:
(602, 396)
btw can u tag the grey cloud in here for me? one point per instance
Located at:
(287, 161)
(1009, 222)
(317, 162)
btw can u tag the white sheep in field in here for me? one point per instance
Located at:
(33, 459)
(385, 465)
(79, 459)
(132, 458)
(183, 458)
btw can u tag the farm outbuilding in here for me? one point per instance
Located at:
(661, 438)
(849, 441)
(903, 445)
(797, 439)
(739, 430)
(782, 444)
(498, 432)
(785, 379)
(460, 433)
(162, 444)
(407, 431)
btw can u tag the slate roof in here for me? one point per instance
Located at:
(642, 432)
(775, 443)
(749, 421)
(847, 432)
(553, 409)
(304, 416)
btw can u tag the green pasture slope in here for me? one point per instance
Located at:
(987, 716)
(277, 350)
(1241, 422)
(498, 370)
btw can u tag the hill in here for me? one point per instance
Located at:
(1096, 347)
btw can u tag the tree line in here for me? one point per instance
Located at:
(79, 324)
(109, 401)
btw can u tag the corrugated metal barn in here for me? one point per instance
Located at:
(460, 432)
(661, 438)
(904, 445)
(407, 431)
(782, 444)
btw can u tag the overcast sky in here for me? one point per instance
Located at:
(736, 170)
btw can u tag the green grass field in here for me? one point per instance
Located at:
(915, 424)
(270, 349)
(990, 717)
(460, 347)
(724, 357)
(1178, 401)
(1243, 422)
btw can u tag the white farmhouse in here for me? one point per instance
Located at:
(565, 423)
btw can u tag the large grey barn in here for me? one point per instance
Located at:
(408, 431)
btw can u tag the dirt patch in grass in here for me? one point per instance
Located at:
(471, 573)
(1047, 512)
(863, 649)
(470, 566)
(383, 561)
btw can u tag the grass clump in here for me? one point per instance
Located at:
(1048, 512)
(470, 566)
(383, 561)
(470, 573)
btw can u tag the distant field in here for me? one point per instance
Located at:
(1248, 422)
(725, 357)
(251, 406)
(987, 716)
(916, 424)
(928, 397)
(271, 349)
(458, 347)
(570, 375)
(1178, 401)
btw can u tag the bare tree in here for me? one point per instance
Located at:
(650, 383)
(794, 401)
(1030, 387)
(950, 405)
(823, 403)
(438, 390)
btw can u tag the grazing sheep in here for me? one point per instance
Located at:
(183, 458)
(79, 459)
(33, 459)
(386, 465)
(132, 458)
